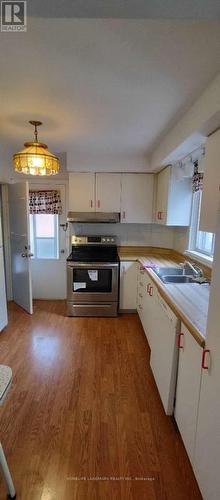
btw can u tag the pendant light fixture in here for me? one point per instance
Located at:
(35, 159)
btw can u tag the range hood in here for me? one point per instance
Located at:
(94, 217)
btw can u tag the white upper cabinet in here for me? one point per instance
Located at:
(163, 182)
(81, 192)
(173, 199)
(130, 194)
(108, 192)
(137, 198)
(211, 184)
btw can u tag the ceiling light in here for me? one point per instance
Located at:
(35, 159)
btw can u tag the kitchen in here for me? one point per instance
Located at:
(110, 258)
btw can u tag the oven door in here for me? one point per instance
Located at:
(92, 282)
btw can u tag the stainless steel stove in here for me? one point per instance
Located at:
(93, 276)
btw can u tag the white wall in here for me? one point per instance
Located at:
(130, 234)
(203, 116)
(181, 237)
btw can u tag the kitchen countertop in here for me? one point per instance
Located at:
(189, 301)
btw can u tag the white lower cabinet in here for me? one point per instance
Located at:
(128, 285)
(145, 302)
(140, 292)
(188, 389)
(164, 352)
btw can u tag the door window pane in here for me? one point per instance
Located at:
(45, 226)
(45, 248)
(44, 236)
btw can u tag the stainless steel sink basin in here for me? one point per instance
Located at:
(174, 275)
(170, 271)
(177, 279)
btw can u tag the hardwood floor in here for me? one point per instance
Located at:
(84, 404)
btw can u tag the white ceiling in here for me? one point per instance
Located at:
(106, 89)
(190, 9)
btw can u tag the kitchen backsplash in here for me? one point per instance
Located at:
(181, 237)
(130, 234)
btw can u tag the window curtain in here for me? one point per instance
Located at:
(45, 202)
(197, 180)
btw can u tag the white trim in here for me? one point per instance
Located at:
(204, 259)
(6, 240)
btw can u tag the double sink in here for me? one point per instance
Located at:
(175, 275)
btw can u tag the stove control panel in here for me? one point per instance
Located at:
(93, 240)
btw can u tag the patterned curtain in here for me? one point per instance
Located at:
(45, 202)
(197, 180)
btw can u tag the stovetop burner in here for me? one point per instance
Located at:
(94, 253)
(93, 249)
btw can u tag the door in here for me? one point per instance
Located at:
(3, 303)
(108, 192)
(207, 449)
(188, 388)
(92, 282)
(49, 270)
(20, 245)
(137, 198)
(163, 182)
(81, 192)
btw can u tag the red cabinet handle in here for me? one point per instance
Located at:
(203, 359)
(148, 288)
(91, 204)
(159, 215)
(150, 291)
(179, 335)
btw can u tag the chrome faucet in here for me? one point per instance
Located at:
(197, 271)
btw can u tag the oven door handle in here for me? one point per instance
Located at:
(95, 265)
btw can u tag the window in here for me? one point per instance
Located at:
(199, 241)
(44, 236)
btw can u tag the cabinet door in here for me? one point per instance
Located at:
(128, 285)
(174, 198)
(163, 183)
(149, 296)
(140, 293)
(108, 192)
(211, 184)
(207, 449)
(81, 192)
(164, 354)
(137, 198)
(188, 389)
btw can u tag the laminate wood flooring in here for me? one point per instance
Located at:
(83, 419)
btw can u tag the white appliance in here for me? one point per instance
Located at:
(3, 302)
